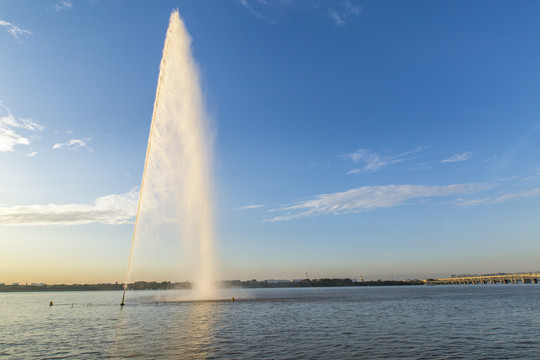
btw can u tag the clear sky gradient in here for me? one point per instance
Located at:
(387, 139)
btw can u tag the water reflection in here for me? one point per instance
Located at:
(168, 330)
(191, 333)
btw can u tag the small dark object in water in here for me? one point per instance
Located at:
(51, 304)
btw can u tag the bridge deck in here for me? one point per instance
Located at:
(488, 279)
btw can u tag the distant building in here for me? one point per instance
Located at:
(277, 281)
(37, 284)
(1, 283)
(15, 284)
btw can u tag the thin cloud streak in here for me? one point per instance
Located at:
(62, 5)
(509, 157)
(15, 31)
(345, 11)
(337, 19)
(508, 178)
(368, 198)
(112, 209)
(502, 198)
(74, 144)
(531, 177)
(270, 10)
(374, 161)
(458, 157)
(249, 6)
(351, 9)
(248, 207)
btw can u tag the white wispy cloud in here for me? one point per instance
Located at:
(33, 153)
(344, 11)
(373, 161)
(340, 12)
(17, 32)
(351, 9)
(500, 198)
(336, 17)
(10, 126)
(508, 178)
(458, 157)
(532, 177)
(74, 144)
(247, 207)
(63, 5)
(368, 198)
(493, 158)
(256, 7)
(111, 209)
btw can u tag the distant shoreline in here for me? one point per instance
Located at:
(167, 285)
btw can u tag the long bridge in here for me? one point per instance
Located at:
(522, 278)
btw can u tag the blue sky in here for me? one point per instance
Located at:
(375, 138)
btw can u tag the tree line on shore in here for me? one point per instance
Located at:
(167, 285)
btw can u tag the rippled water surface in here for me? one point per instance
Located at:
(445, 322)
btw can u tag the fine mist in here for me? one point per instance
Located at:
(176, 200)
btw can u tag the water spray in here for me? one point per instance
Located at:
(178, 157)
(142, 186)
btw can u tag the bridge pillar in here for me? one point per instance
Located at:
(534, 281)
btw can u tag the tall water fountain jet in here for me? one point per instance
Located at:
(176, 192)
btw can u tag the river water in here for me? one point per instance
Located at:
(416, 322)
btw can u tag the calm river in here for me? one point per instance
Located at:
(420, 322)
